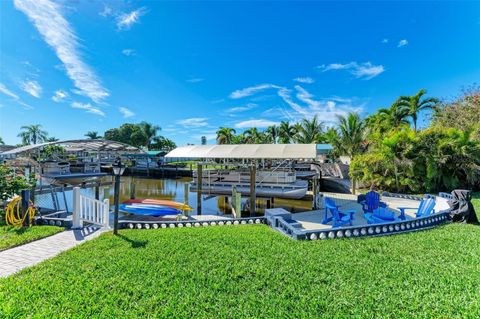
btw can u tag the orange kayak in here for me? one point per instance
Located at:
(160, 202)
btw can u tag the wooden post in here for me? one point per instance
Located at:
(185, 197)
(77, 223)
(236, 202)
(314, 193)
(97, 192)
(25, 201)
(199, 188)
(252, 188)
(132, 187)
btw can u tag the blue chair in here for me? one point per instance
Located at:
(425, 208)
(381, 215)
(339, 217)
(372, 202)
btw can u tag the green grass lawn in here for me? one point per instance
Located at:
(11, 236)
(253, 271)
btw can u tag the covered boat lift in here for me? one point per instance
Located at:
(250, 153)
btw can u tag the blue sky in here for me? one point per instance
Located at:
(190, 67)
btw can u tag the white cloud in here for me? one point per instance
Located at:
(59, 96)
(107, 11)
(364, 70)
(126, 112)
(16, 98)
(7, 92)
(47, 17)
(385, 40)
(128, 52)
(255, 123)
(238, 109)
(32, 88)
(88, 107)
(402, 43)
(193, 122)
(252, 90)
(307, 80)
(302, 104)
(195, 80)
(126, 20)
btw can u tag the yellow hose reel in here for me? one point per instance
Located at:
(14, 215)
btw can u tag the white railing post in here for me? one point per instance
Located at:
(106, 213)
(77, 223)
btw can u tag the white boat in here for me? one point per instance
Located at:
(279, 183)
(60, 173)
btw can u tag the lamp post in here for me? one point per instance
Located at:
(118, 170)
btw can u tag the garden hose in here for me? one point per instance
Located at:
(13, 213)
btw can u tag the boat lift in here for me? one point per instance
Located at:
(249, 155)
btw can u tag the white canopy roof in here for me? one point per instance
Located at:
(99, 145)
(250, 151)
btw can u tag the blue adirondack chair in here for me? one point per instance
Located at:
(372, 202)
(339, 217)
(425, 208)
(381, 215)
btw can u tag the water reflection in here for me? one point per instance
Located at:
(176, 190)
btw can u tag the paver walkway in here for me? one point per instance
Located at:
(17, 258)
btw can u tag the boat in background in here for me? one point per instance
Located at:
(63, 172)
(159, 202)
(148, 210)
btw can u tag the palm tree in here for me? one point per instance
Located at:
(351, 134)
(32, 134)
(387, 119)
(225, 135)
(252, 136)
(309, 131)
(1, 141)
(414, 104)
(286, 132)
(150, 132)
(271, 134)
(51, 139)
(93, 135)
(351, 137)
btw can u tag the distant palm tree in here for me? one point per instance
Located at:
(1, 141)
(32, 134)
(93, 135)
(225, 135)
(51, 139)
(252, 136)
(351, 134)
(309, 131)
(286, 132)
(271, 134)
(150, 132)
(414, 104)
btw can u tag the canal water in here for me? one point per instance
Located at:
(172, 189)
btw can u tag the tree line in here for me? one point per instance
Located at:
(143, 134)
(387, 149)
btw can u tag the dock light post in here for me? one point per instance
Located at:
(118, 170)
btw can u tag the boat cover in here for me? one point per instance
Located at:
(461, 208)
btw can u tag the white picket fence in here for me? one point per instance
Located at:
(89, 210)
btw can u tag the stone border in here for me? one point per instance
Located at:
(381, 229)
(126, 224)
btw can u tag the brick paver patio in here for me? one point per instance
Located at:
(17, 258)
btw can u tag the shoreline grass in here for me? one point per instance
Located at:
(11, 237)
